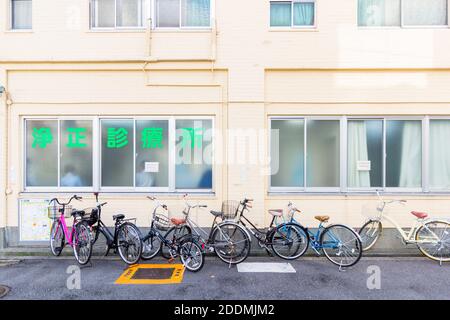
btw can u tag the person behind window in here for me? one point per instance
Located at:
(71, 178)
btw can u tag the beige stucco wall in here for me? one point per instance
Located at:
(240, 73)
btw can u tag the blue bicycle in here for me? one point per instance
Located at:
(340, 243)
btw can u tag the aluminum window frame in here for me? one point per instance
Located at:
(402, 25)
(154, 25)
(11, 17)
(293, 26)
(97, 155)
(93, 12)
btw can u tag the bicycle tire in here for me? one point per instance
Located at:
(230, 258)
(294, 228)
(136, 242)
(153, 242)
(82, 241)
(184, 230)
(55, 249)
(370, 232)
(355, 238)
(189, 249)
(434, 255)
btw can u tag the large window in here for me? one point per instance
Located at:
(182, 13)
(21, 14)
(359, 154)
(388, 13)
(134, 154)
(300, 13)
(119, 13)
(299, 163)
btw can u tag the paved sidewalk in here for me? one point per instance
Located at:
(315, 278)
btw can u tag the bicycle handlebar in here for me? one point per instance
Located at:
(67, 203)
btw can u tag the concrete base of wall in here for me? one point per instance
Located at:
(388, 245)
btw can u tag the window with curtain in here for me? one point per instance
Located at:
(182, 13)
(364, 153)
(386, 13)
(21, 14)
(288, 167)
(292, 13)
(404, 153)
(439, 154)
(119, 13)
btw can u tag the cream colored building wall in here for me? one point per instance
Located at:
(241, 72)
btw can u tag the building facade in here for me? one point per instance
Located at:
(319, 102)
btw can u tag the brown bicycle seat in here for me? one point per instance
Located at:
(276, 212)
(322, 218)
(177, 221)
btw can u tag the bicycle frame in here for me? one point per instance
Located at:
(68, 236)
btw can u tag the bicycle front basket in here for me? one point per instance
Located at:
(161, 222)
(230, 209)
(54, 211)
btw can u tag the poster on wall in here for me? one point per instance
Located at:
(34, 222)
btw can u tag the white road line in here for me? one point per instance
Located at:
(269, 267)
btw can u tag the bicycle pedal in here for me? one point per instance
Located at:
(171, 260)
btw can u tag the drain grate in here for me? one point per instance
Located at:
(152, 274)
(3, 290)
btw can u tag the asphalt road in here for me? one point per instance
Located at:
(315, 278)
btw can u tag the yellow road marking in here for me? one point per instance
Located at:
(127, 275)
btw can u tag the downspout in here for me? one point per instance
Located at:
(6, 97)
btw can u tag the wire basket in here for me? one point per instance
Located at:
(161, 222)
(54, 211)
(230, 209)
(372, 209)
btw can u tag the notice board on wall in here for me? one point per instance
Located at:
(34, 224)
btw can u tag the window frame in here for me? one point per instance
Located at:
(10, 22)
(97, 155)
(292, 26)
(181, 27)
(305, 188)
(144, 26)
(425, 130)
(402, 25)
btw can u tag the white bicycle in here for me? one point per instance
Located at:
(432, 236)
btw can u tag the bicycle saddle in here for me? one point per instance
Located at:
(177, 221)
(216, 213)
(78, 213)
(420, 215)
(322, 218)
(276, 212)
(118, 216)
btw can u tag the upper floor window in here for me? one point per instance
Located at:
(299, 13)
(21, 14)
(182, 13)
(388, 13)
(119, 13)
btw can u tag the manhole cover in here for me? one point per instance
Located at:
(152, 274)
(3, 290)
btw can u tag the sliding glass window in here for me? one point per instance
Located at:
(300, 13)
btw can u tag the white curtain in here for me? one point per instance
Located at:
(411, 155)
(379, 12)
(439, 154)
(425, 12)
(21, 14)
(357, 151)
(103, 14)
(129, 13)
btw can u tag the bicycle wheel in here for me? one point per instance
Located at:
(341, 245)
(289, 241)
(174, 233)
(192, 255)
(433, 240)
(231, 243)
(82, 247)
(100, 245)
(369, 233)
(150, 247)
(129, 243)
(57, 240)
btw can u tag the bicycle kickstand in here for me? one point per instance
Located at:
(342, 269)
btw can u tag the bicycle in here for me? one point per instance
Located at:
(340, 244)
(284, 235)
(432, 236)
(78, 237)
(178, 245)
(126, 239)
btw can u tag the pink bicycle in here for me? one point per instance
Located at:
(78, 236)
